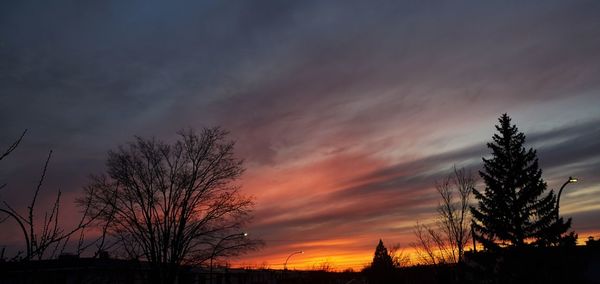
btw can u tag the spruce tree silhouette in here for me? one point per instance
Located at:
(382, 268)
(514, 207)
(382, 260)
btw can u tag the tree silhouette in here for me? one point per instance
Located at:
(446, 239)
(382, 260)
(382, 268)
(514, 207)
(173, 204)
(43, 238)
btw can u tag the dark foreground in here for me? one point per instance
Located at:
(529, 265)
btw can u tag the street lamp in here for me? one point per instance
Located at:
(570, 180)
(288, 258)
(214, 252)
(473, 236)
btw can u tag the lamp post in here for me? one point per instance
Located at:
(473, 236)
(215, 248)
(288, 258)
(570, 180)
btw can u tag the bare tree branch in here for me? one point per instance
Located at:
(13, 146)
(170, 204)
(446, 239)
(39, 238)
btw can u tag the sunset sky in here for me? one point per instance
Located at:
(345, 112)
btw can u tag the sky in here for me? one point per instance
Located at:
(345, 112)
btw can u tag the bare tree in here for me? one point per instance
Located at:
(431, 246)
(46, 239)
(445, 241)
(173, 204)
(454, 210)
(399, 257)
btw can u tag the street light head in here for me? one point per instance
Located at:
(245, 234)
(301, 251)
(572, 180)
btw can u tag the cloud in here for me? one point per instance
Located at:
(345, 114)
(388, 200)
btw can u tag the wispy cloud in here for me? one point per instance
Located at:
(346, 114)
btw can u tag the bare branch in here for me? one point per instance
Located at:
(447, 239)
(170, 203)
(13, 146)
(21, 224)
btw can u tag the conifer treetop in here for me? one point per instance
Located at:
(515, 208)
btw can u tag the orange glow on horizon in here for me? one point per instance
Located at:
(339, 259)
(336, 260)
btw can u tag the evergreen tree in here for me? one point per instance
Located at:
(382, 270)
(515, 207)
(382, 261)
